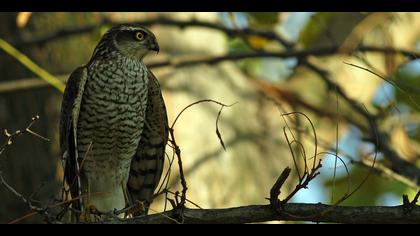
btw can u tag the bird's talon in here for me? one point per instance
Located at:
(138, 208)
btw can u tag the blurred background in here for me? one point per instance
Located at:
(269, 64)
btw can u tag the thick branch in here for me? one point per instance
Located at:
(289, 212)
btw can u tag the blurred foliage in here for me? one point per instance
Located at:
(369, 193)
(312, 29)
(251, 66)
(264, 20)
(329, 28)
(407, 92)
(257, 20)
(407, 78)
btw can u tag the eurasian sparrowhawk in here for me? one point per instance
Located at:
(113, 125)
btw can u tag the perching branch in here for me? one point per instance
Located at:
(283, 211)
(288, 212)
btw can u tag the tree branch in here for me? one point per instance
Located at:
(288, 212)
(11, 86)
(242, 32)
(298, 54)
(150, 22)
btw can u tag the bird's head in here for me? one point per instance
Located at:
(131, 40)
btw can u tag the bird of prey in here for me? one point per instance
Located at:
(113, 124)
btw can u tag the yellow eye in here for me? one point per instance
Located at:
(139, 36)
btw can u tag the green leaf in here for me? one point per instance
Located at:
(312, 30)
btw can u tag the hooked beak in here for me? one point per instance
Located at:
(154, 47)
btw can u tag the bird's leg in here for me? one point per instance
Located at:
(89, 212)
(125, 192)
(84, 217)
(127, 199)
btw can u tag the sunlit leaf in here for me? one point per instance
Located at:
(257, 42)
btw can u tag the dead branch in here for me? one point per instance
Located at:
(275, 190)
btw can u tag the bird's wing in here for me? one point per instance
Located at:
(70, 108)
(147, 164)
